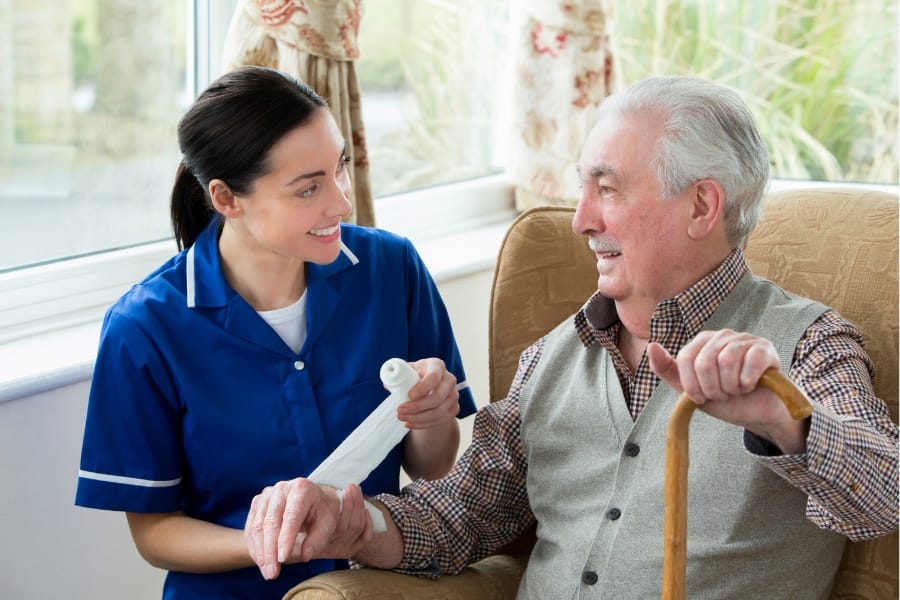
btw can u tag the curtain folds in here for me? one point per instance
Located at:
(563, 68)
(316, 41)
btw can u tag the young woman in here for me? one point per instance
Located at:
(249, 356)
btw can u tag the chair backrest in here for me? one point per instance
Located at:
(839, 247)
(543, 273)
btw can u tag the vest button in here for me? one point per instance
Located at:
(589, 577)
(613, 514)
(632, 450)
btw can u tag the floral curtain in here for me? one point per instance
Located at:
(316, 41)
(563, 69)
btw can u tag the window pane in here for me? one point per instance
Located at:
(90, 93)
(820, 75)
(432, 79)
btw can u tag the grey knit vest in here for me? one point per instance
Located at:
(595, 479)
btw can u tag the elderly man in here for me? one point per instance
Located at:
(673, 174)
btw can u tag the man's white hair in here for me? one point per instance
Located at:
(708, 133)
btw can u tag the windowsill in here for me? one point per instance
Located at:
(31, 367)
(46, 361)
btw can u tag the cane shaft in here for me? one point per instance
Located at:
(675, 495)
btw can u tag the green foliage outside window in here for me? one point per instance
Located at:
(820, 75)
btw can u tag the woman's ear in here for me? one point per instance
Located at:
(707, 209)
(223, 199)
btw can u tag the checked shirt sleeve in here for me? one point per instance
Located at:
(850, 468)
(481, 505)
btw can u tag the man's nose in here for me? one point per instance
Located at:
(588, 217)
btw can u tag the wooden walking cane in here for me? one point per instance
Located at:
(675, 523)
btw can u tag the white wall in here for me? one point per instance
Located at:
(50, 545)
(52, 548)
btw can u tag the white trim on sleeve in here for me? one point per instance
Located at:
(128, 480)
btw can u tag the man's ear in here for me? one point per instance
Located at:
(223, 199)
(707, 208)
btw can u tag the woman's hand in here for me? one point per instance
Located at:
(434, 400)
(430, 413)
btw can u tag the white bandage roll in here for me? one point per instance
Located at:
(368, 445)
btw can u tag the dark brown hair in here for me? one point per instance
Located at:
(227, 134)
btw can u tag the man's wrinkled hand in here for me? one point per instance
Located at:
(720, 371)
(297, 521)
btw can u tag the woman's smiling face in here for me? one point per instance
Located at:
(296, 208)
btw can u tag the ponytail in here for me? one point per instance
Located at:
(190, 210)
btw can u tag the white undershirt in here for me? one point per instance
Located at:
(289, 323)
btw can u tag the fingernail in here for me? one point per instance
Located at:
(270, 572)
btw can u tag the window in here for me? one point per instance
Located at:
(820, 75)
(432, 79)
(90, 94)
(93, 90)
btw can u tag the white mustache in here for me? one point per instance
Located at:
(603, 246)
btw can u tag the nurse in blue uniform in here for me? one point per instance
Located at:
(250, 355)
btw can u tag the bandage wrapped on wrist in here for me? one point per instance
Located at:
(368, 445)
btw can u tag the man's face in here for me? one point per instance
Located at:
(639, 238)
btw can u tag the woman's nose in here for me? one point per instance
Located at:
(341, 202)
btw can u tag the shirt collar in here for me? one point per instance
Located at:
(693, 306)
(205, 284)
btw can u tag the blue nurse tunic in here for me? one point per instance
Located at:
(196, 403)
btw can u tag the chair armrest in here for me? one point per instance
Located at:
(494, 578)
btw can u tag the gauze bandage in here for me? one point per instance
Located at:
(372, 440)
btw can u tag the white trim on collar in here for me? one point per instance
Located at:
(349, 253)
(190, 276)
(190, 284)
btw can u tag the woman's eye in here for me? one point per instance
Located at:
(307, 192)
(345, 160)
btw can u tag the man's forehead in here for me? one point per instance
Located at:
(615, 141)
(598, 155)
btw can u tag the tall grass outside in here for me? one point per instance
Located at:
(437, 68)
(819, 75)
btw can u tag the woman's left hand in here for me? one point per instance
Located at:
(434, 400)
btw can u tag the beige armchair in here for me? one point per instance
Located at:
(837, 246)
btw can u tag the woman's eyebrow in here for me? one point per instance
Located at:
(314, 173)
